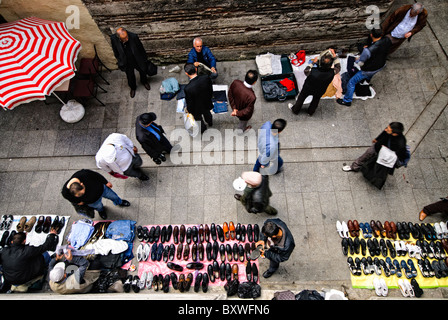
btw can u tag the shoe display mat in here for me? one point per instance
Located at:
(160, 267)
(33, 238)
(366, 281)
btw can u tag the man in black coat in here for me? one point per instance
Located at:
(276, 235)
(23, 263)
(129, 51)
(198, 96)
(316, 83)
(151, 137)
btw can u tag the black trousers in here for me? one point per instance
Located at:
(132, 82)
(301, 99)
(200, 117)
(436, 207)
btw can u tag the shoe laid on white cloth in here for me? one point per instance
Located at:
(347, 168)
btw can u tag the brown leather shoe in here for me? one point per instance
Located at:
(176, 234)
(381, 228)
(186, 252)
(235, 271)
(232, 230)
(356, 226)
(393, 230)
(182, 234)
(30, 224)
(179, 251)
(351, 228)
(225, 228)
(388, 229)
(422, 215)
(376, 231)
(21, 225)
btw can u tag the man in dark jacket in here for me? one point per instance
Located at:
(129, 51)
(198, 96)
(87, 187)
(151, 137)
(256, 195)
(405, 22)
(316, 83)
(280, 242)
(371, 61)
(23, 263)
(242, 99)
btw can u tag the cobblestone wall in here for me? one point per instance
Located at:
(236, 29)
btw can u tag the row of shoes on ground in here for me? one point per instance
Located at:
(407, 289)
(388, 267)
(41, 224)
(421, 249)
(392, 230)
(382, 266)
(200, 234)
(159, 251)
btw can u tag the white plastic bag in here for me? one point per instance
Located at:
(190, 124)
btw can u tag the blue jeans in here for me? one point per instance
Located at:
(108, 193)
(257, 165)
(357, 78)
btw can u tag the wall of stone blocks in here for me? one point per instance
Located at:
(236, 29)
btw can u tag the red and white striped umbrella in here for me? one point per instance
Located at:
(36, 56)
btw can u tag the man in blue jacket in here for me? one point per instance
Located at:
(200, 56)
(269, 160)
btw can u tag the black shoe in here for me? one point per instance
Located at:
(132, 93)
(197, 282)
(342, 102)
(268, 273)
(134, 284)
(103, 214)
(127, 284)
(254, 272)
(166, 284)
(143, 177)
(205, 281)
(125, 203)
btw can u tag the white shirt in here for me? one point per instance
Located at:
(407, 24)
(116, 159)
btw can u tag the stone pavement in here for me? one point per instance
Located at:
(38, 152)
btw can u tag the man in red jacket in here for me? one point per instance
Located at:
(242, 99)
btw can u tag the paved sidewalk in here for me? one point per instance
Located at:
(38, 152)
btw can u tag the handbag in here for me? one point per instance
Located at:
(386, 157)
(151, 68)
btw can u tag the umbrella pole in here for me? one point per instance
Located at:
(58, 98)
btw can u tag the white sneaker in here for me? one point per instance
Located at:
(347, 168)
(384, 288)
(439, 231)
(409, 288)
(146, 252)
(444, 229)
(377, 285)
(403, 287)
(142, 281)
(345, 229)
(140, 252)
(149, 279)
(290, 105)
(339, 229)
